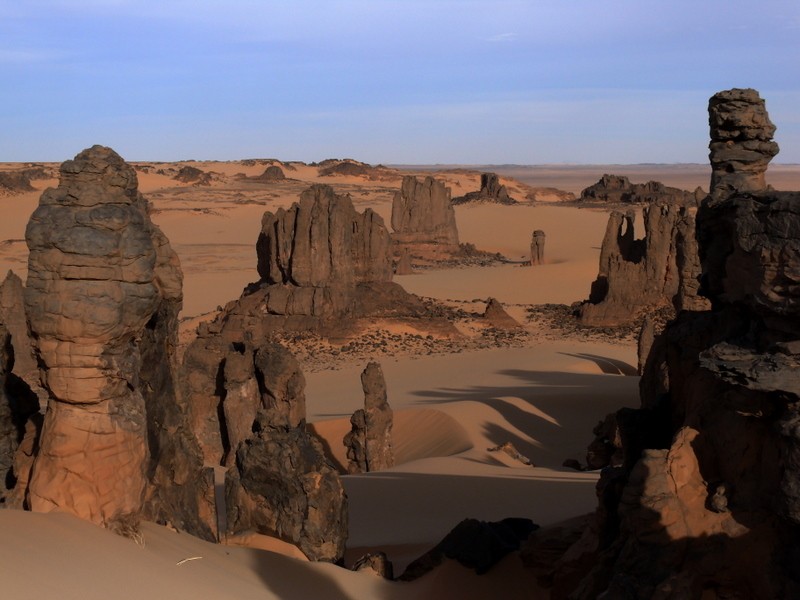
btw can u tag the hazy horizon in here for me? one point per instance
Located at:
(391, 82)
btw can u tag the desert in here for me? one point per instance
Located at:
(483, 374)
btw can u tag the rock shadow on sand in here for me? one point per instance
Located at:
(558, 408)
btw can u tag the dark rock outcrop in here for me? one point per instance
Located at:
(707, 502)
(193, 175)
(617, 189)
(272, 173)
(369, 442)
(423, 219)
(15, 182)
(477, 545)
(491, 191)
(659, 270)
(537, 247)
(497, 316)
(279, 482)
(377, 562)
(741, 142)
(314, 255)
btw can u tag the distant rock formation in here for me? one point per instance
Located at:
(537, 247)
(617, 189)
(491, 191)
(661, 269)
(100, 275)
(317, 252)
(423, 219)
(369, 442)
(15, 182)
(279, 481)
(348, 167)
(404, 266)
(741, 142)
(272, 173)
(193, 175)
(496, 316)
(708, 494)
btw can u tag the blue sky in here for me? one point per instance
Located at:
(390, 81)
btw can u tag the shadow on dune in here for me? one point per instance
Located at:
(421, 508)
(609, 366)
(291, 579)
(563, 408)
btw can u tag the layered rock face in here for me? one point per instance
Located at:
(369, 442)
(491, 191)
(98, 272)
(741, 142)
(707, 503)
(618, 189)
(661, 269)
(317, 252)
(423, 219)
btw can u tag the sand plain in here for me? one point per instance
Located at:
(543, 391)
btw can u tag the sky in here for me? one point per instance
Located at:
(390, 81)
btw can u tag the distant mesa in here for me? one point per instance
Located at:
(617, 189)
(491, 191)
(347, 167)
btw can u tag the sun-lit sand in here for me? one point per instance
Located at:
(544, 397)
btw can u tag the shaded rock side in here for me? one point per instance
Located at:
(423, 218)
(707, 502)
(369, 442)
(491, 191)
(661, 269)
(318, 251)
(618, 189)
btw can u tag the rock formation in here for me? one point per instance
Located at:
(272, 173)
(659, 270)
(741, 142)
(537, 247)
(423, 219)
(279, 482)
(404, 266)
(707, 502)
(314, 255)
(617, 189)
(15, 182)
(491, 191)
(193, 175)
(497, 316)
(97, 273)
(477, 545)
(369, 442)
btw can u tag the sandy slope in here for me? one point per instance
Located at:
(544, 397)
